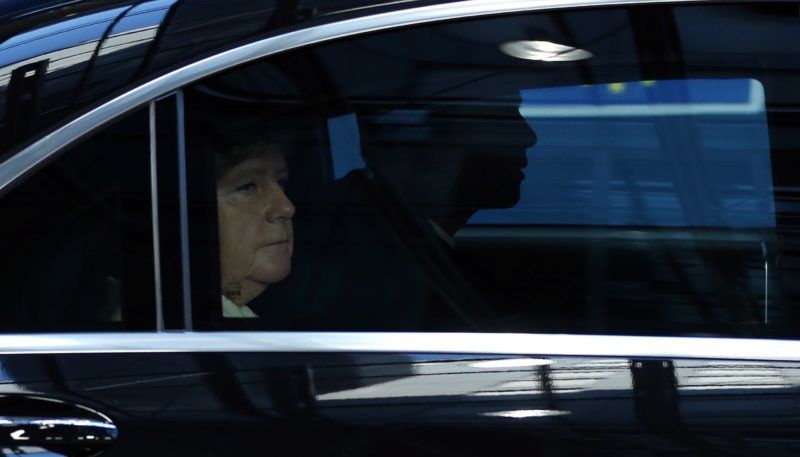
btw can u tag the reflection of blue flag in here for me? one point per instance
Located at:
(345, 144)
(683, 153)
(733, 93)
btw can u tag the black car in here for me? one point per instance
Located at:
(429, 228)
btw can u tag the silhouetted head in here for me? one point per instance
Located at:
(454, 161)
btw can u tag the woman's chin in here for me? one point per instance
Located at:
(271, 274)
(272, 264)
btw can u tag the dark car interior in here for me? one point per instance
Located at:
(440, 185)
(418, 128)
(77, 238)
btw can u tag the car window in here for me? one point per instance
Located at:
(591, 171)
(76, 244)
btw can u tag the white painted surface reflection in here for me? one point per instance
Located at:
(433, 379)
(570, 376)
(29, 451)
(734, 375)
(128, 39)
(511, 363)
(523, 377)
(526, 413)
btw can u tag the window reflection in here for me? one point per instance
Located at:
(130, 27)
(448, 186)
(734, 375)
(604, 156)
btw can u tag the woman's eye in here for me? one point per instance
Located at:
(245, 188)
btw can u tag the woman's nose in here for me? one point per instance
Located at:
(279, 206)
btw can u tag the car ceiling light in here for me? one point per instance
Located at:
(545, 51)
(525, 413)
(511, 363)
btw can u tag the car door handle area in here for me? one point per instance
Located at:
(53, 424)
(40, 431)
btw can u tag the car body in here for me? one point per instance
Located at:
(632, 293)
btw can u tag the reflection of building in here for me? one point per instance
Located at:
(724, 375)
(520, 377)
(707, 392)
(52, 67)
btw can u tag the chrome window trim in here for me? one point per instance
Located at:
(154, 217)
(47, 147)
(432, 343)
(186, 285)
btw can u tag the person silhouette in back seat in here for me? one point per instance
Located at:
(470, 158)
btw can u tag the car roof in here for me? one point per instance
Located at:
(62, 48)
(16, 14)
(15, 9)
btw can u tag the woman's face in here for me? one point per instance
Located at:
(255, 225)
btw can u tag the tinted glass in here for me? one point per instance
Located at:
(592, 171)
(76, 238)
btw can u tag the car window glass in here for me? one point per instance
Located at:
(593, 171)
(76, 239)
(718, 175)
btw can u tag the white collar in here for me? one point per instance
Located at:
(231, 309)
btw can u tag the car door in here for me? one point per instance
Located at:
(515, 229)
